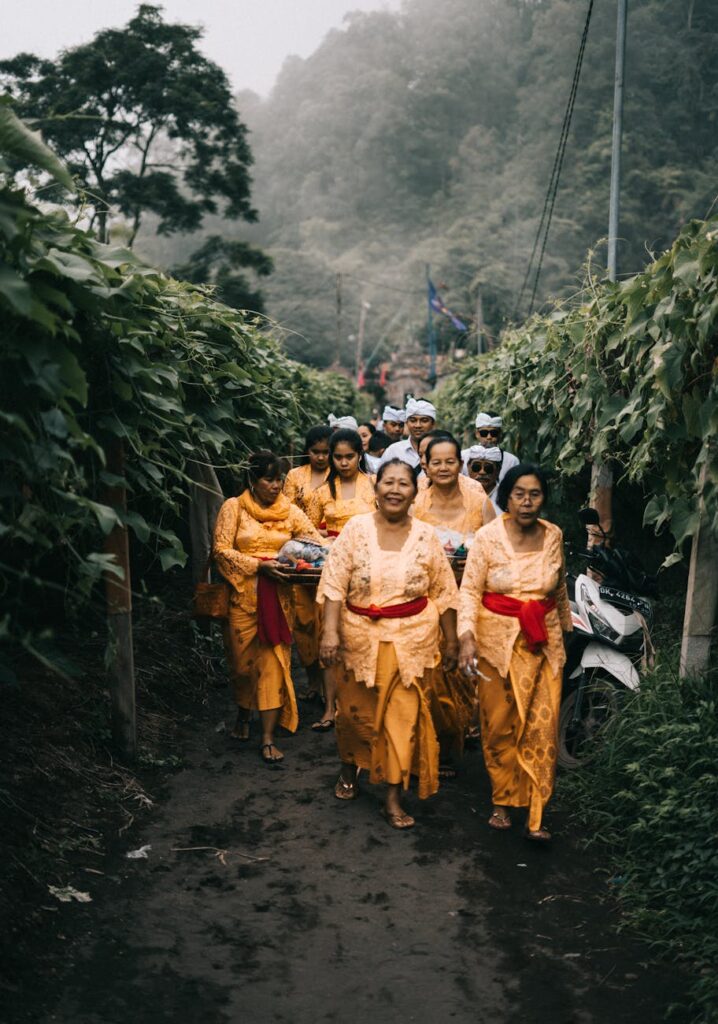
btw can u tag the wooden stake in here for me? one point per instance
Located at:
(701, 600)
(121, 668)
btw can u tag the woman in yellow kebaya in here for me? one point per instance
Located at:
(348, 492)
(453, 505)
(513, 606)
(249, 533)
(387, 589)
(299, 485)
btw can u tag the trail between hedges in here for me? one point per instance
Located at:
(305, 909)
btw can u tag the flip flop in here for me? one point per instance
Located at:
(323, 725)
(541, 835)
(499, 821)
(271, 760)
(346, 790)
(399, 821)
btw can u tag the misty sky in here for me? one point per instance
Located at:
(248, 38)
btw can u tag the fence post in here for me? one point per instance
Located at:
(701, 598)
(205, 502)
(121, 667)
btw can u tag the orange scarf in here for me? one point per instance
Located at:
(275, 513)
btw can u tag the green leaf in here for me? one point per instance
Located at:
(18, 141)
(170, 557)
(15, 291)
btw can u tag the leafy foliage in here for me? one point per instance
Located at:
(651, 793)
(625, 371)
(98, 346)
(144, 120)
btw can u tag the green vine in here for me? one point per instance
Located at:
(624, 371)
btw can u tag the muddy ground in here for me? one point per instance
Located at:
(264, 899)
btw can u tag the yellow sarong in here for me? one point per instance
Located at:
(261, 675)
(519, 730)
(387, 729)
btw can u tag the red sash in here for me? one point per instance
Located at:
(332, 533)
(272, 627)
(531, 615)
(391, 611)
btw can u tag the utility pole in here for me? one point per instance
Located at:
(601, 472)
(365, 307)
(614, 198)
(339, 313)
(479, 321)
(430, 336)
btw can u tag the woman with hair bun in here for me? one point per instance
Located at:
(299, 486)
(249, 533)
(513, 606)
(348, 492)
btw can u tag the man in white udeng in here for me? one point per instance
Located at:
(489, 431)
(392, 421)
(420, 419)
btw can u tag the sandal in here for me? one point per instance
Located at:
(499, 821)
(344, 790)
(540, 835)
(447, 771)
(270, 759)
(323, 725)
(241, 730)
(401, 821)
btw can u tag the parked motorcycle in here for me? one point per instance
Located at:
(611, 640)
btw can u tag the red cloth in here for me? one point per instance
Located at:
(531, 615)
(272, 626)
(391, 611)
(332, 533)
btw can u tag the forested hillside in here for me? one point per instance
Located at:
(428, 135)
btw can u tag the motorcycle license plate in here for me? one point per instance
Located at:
(614, 596)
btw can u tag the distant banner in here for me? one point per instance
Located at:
(437, 304)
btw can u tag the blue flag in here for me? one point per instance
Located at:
(437, 304)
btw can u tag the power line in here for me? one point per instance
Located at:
(552, 190)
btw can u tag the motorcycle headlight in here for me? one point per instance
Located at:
(600, 625)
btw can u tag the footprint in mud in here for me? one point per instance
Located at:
(378, 898)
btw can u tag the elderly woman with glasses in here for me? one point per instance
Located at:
(512, 609)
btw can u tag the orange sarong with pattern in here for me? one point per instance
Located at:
(244, 535)
(519, 701)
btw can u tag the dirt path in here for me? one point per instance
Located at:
(317, 911)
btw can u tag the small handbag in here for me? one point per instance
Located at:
(210, 600)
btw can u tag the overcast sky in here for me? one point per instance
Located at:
(248, 38)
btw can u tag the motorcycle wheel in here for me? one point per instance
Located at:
(577, 740)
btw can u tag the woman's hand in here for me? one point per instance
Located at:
(451, 655)
(273, 569)
(467, 654)
(329, 649)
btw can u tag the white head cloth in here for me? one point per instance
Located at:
(484, 420)
(477, 451)
(420, 407)
(392, 415)
(342, 422)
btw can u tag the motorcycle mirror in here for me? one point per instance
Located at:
(589, 517)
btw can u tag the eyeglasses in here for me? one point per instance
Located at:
(489, 432)
(485, 467)
(521, 497)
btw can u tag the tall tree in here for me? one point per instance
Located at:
(144, 121)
